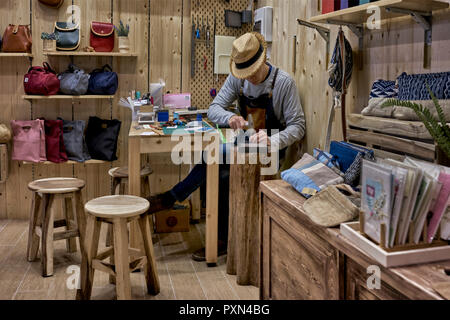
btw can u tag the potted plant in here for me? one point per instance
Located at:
(49, 41)
(437, 128)
(124, 41)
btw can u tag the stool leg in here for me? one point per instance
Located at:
(109, 243)
(89, 252)
(47, 235)
(71, 243)
(116, 182)
(121, 258)
(122, 189)
(33, 238)
(151, 274)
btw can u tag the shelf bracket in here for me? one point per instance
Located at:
(358, 30)
(424, 19)
(324, 33)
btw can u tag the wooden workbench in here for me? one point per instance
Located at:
(140, 143)
(300, 260)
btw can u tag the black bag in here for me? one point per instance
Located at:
(103, 82)
(73, 134)
(102, 137)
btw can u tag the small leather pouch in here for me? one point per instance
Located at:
(102, 36)
(52, 3)
(68, 36)
(17, 38)
(330, 207)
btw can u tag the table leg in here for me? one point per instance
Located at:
(134, 184)
(212, 199)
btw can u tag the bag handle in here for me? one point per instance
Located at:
(106, 67)
(48, 68)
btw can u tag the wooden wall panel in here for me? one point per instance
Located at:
(396, 48)
(14, 196)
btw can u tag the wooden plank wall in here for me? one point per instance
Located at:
(396, 48)
(133, 74)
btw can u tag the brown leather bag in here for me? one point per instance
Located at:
(52, 3)
(17, 38)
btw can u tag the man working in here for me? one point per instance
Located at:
(263, 91)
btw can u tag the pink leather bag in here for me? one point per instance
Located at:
(28, 140)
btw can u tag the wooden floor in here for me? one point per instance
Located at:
(180, 277)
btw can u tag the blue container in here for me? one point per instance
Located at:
(163, 116)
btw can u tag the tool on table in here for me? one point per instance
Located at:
(197, 33)
(193, 49)
(203, 28)
(208, 32)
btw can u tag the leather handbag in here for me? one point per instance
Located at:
(102, 36)
(74, 142)
(17, 38)
(103, 82)
(74, 81)
(52, 3)
(54, 141)
(5, 133)
(28, 141)
(102, 137)
(67, 35)
(41, 81)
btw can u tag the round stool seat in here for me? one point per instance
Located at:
(111, 207)
(122, 172)
(56, 185)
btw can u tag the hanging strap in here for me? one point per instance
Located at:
(338, 97)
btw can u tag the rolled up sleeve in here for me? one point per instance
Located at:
(225, 98)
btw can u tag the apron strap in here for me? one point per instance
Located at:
(273, 82)
(241, 93)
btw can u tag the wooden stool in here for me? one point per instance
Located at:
(42, 223)
(119, 211)
(120, 178)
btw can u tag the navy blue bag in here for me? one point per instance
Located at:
(346, 153)
(103, 82)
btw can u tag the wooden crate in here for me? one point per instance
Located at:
(174, 220)
(3, 163)
(391, 138)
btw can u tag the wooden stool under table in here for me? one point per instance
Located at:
(118, 210)
(120, 179)
(42, 222)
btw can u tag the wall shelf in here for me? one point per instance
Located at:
(359, 15)
(65, 163)
(88, 54)
(65, 97)
(14, 54)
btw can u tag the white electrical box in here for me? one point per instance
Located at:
(263, 22)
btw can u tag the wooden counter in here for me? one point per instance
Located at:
(301, 260)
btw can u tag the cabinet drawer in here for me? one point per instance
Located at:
(297, 264)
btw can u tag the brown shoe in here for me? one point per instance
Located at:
(200, 255)
(157, 204)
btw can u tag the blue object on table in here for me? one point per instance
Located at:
(138, 95)
(176, 116)
(199, 117)
(163, 116)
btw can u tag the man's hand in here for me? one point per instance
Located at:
(237, 122)
(261, 137)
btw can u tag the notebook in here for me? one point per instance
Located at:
(377, 199)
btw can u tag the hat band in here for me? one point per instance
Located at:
(245, 65)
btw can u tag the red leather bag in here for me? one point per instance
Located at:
(102, 36)
(54, 141)
(41, 81)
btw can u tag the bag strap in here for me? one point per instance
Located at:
(106, 67)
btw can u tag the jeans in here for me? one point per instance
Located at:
(197, 179)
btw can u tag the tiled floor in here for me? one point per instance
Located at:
(180, 277)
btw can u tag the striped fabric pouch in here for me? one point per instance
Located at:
(309, 176)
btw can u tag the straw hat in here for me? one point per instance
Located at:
(248, 55)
